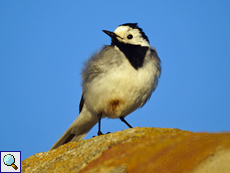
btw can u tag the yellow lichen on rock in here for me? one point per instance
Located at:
(137, 150)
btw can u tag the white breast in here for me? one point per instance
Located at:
(121, 90)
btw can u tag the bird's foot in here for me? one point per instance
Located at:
(100, 133)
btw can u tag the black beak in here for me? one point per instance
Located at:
(111, 34)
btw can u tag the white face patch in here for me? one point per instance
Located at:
(131, 36)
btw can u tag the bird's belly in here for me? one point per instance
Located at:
(119, 92)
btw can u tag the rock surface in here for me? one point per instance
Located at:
(138, 150)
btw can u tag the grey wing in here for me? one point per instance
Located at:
(100, 63)
(154, 56)
(81, 103)
(157, 62)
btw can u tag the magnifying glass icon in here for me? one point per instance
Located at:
(9, 160)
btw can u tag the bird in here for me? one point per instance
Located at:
(116, 81)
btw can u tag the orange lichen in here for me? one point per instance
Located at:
(136, 150)
(176, 152)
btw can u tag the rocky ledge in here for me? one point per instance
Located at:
(138, 150)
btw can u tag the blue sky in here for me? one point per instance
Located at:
(43, 45)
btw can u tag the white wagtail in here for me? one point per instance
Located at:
(115, 81)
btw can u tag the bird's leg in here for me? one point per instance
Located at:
(99, 124)
(123, 120)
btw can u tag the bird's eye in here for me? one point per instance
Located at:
(130, 36)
